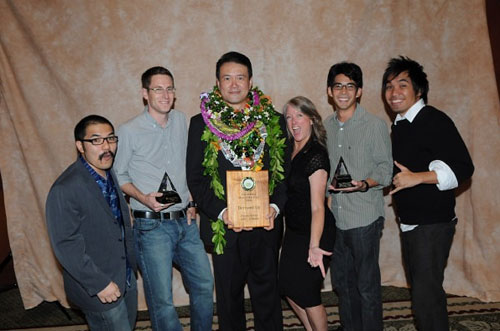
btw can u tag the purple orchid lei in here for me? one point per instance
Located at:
(207, 114)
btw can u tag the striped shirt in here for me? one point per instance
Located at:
(363, 142)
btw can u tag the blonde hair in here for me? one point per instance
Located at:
(306, 107)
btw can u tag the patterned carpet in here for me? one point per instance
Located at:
(466, 314)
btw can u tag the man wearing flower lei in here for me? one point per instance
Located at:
(238, 129)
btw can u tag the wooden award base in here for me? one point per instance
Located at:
(247, 198)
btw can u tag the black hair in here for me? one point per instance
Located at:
(81, 127)
(236, 58)
(415, 73)
(351, 70)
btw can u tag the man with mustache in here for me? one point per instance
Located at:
(430, 161)
(89, 227)
(153, 146)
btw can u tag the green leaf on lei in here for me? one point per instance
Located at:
(218, 237)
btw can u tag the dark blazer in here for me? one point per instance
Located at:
(209, 205)
(86, 237)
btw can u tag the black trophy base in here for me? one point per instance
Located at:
(169, 197)
(342, 181)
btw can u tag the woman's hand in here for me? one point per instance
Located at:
(315, 258)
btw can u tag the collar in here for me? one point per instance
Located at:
(91, 170)
(358, 113)
(151, 121)
(411, 113)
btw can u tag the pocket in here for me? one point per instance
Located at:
(145, 224)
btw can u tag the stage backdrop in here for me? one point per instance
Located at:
(62, 60)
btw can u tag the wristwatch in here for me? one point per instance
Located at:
(192, 204)
(367, 186)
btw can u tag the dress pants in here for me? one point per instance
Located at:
(425, 252)
(252, 259)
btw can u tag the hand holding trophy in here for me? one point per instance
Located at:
(170, 196)
(341, 179)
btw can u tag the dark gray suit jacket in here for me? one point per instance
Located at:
(86, 237)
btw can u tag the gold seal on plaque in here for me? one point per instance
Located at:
(248, 183)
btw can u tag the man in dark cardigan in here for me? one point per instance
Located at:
(430, 160)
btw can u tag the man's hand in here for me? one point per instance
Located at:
(110, 293)
(190, 214)
(271, 216)
(150, 201)
(405, 178)
(357, 186)
(229, 223)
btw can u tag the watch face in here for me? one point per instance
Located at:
(248, 183)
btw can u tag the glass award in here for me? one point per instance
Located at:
(341, 178)
(170, 195)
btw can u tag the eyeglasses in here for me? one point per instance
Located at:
(160, 90)
(348, 86)
(100, 141)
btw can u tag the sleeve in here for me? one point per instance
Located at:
(63, 225)
(449, 147)
(445, 176)
(382, 155)
(123, 156)
(198, 183)
(318, 161)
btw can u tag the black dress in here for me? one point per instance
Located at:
(297, 279)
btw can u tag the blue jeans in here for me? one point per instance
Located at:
(356, 277)
(120, 318)
(159, 244)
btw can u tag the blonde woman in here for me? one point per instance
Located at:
(310, 225)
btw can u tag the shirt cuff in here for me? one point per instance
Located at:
(407, 227)
(222, 212)
(275, 208)
(445, 176)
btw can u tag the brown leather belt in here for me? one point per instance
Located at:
(172, 215)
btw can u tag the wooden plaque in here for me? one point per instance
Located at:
(247, 198)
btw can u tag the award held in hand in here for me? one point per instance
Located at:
(247, 198)
(341, 178)
(170, 195)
